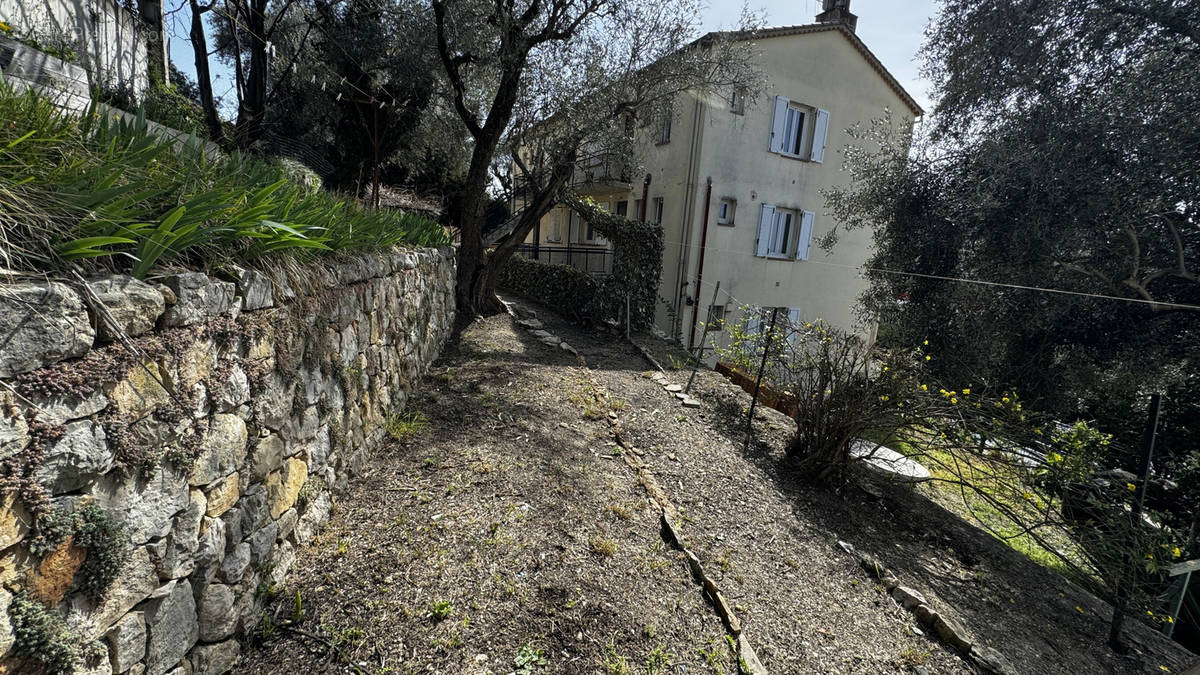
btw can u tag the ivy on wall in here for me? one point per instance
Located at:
(636, 270)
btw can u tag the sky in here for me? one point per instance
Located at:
(892, 29)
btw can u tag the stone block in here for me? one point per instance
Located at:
(907, 597)
(235, 564)
(267, 456)
(222, 496)
(952, 634)
(14, 519)
(193, 365)
(41, 324)
(254, 508)
(254, 287)
(232, 392)
(79, 457)
(287, 522)
(133, 305)
(283, 486)
(210, 549)
(14, 430)
(222, 449)
(215, 659)
(179, 560)
(6, 631)
(63, 408)
(992, 662)
(214, 613)
(315, 514)
(56, 572)
(197, 298)
(127, 641)
(261, 543)
(144, 505)
(171, 628)
(138, 392)
(137, 580)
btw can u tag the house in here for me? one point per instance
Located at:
(735, 179)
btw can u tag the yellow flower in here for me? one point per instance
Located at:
(1131, 486)
(1027, 495)
(1177, 552)
(1005, 399)
(1053, 458)
(1164, 669)
(5, 27)
(884, 397)
(924, 387)
(966, 392)
(1149, 556)
(926, 343)
(927, 357)
(953, 399)
(1079, 609)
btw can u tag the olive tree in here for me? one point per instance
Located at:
(538, 82)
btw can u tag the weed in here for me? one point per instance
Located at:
(602, 546)
(406, 426)
(913, 657)
(440, 610)
(714, 656)
(614, 663)
(658, 661)
(297, 608)
(650, 629)
(41, 635)
(529, 657)
(621, 511)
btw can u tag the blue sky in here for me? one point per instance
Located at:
(892, 29)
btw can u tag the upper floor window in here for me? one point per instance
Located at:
(725, 211)
(664, 131)
(798, 130)
(784, 233)
(737, 102)
(623, 208)
(657, 216)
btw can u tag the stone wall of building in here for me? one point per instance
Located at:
(165, 447)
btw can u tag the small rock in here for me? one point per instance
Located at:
(171, 627)
(952, 634)
(222, 449)
(41, 324)
(284, 486)
(925, 614)
(132, 304)
(215, 659)
(531, 324)
(213, 612)
(992, 661)
(197, 298)
(127, 641)
(907, 597)
(673, 388)
(222, 496)
(253, 286)
(235, 564)
(689, 402)
(76, 459)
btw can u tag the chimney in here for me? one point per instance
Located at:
(838, 11)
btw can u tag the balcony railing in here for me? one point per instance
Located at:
(601, 168)
(594, 261)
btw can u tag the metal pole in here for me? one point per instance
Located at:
(703, 336)
(1135, 518)
(758, 382)
(1177, 605)
(627, 320)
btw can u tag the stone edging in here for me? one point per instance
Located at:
(986, 658)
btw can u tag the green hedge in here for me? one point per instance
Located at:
(563, 288)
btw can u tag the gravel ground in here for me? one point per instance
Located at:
(510, 533)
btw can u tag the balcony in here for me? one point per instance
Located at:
(591, 260)
(600, 173)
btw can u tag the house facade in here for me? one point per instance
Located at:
(736, 179)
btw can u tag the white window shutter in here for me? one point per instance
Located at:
(778, 123)
(764, 230)
(805, 240)
(820, 129)
(794, 324)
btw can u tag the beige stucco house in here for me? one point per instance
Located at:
(735, 179)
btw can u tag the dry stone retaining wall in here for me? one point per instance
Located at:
(166, 446)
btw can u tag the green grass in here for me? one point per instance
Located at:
(406, 426)
(105, 193)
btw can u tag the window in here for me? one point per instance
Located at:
(664, 131)
(591, 236)
(555, 226)
(737, 102)
(623, 208)
(637, 209)
(725, 211)
(784, 233)
(716, 318)
(798, 130)
(657, 217)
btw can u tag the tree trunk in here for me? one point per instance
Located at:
(253, 103)
(203, 77)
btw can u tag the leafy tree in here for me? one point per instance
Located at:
(538, 82)
(1062, 154)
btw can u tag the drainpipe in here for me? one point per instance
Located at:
(700, 262)
(645, 197)
(689, 210)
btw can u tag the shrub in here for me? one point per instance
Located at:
(113, 194)
(563, 288)
(41, 636)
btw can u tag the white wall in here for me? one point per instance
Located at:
(109, 40)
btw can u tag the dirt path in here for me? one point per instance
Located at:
(512, 535)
